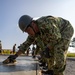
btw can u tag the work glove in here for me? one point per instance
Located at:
(10, 59)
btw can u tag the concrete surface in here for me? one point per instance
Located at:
(26, 65)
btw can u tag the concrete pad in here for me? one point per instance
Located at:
(25, 66)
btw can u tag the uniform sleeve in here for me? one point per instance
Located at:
(23, 47)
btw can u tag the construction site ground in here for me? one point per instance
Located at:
(26, 65)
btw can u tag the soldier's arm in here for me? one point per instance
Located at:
(22, 48)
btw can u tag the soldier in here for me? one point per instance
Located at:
(53, 34)
(14, 48)
(0, 47)
(33, 51)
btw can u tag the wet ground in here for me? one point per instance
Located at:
(26, 65)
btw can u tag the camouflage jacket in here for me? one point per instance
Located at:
(51, 29)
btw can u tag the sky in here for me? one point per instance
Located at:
(12, 10)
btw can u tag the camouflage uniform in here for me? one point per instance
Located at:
(55, 33)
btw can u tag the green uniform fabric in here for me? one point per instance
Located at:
(55, 33)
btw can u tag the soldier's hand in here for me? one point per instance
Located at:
(6, 61)
(10, 59)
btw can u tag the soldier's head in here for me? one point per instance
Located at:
(24, 22)
(27, 24)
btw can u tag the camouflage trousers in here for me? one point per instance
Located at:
(57, 62)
